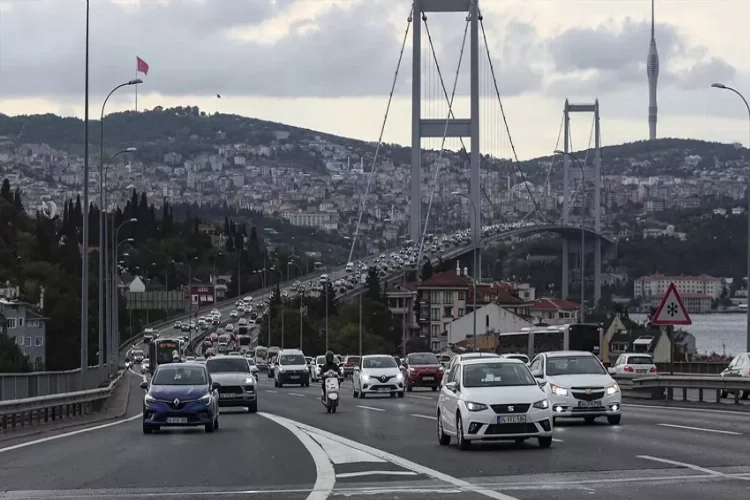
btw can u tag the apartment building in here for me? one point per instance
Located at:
(27, 328)
(657, 284)
(442, 299)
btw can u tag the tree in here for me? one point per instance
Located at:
(12, 359)
(373, 285)
(426, 270)
(5, 191)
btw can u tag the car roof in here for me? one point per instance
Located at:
(560, 354)
(291, 351)
(477, 355)
(479, 361)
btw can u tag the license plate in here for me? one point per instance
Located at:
(176, 420)
(293, 376)
(225, 395)
(428, 378)
(383, 389)
(511, 419)
(589, 404)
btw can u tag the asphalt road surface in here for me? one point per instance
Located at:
(383, 448)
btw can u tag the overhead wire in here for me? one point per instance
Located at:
(382, 131)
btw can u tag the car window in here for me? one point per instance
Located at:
(181, 375)
(321, 360)
(536, 364)
(291, 359)
(227, 365)
(379, 362)
(423, 359)
(574, 365)
(640, 360)
(497, 375)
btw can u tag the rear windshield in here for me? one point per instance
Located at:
(423, 359)
(640, 360)
(379, 362)
(227, 365)
(352, 359)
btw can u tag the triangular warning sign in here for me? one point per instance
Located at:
(671, 311)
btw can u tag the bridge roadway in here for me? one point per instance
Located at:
(380, 448)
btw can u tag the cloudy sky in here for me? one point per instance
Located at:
(329, 64)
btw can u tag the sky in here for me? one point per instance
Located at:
(329, 65)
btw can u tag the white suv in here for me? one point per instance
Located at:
(291, 368)
(578, 385)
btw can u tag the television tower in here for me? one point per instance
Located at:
(652, 71)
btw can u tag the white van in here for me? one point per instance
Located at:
(148, 334)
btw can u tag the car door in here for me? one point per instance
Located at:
(619, 364)
(450, 400)
(356, 379)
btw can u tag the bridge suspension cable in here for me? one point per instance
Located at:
(447, 123)
(382, 131)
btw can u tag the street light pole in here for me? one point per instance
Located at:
(583, 230)
(747, 192)
(475, 270)
(360, 326)
(85, 236)
(325, 294)
(102, 236)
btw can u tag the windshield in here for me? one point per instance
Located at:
(138, 353)
(353, 359)
(423, 359)
(227, 365)
(497, 375)
(180, 375)
(321, 360)
(574, 365)
(291, 359)
(379, 362)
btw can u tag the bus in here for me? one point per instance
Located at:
(245, 341)
(570, 337)
(163, 351)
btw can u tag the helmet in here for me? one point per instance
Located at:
(329, 357)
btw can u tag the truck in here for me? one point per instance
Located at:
(163, 351)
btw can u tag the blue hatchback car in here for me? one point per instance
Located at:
(180, 395)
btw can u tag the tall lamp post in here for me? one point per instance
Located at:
(300, 295)
(102, 236)
(583, 230)
(281, 277)
(724, 87)
(114, 300)
(109, 297)
(85, 229)
(474, 279)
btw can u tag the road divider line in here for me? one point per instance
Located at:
(426, 417)
(406, 464)
(68, 434)
(296, 394)
(555, 440)
(422, 397)
(702, 429)
(325, 478)
(272, 392)
(376, 472)
(697, 468)
(688, 408)
(370, 408)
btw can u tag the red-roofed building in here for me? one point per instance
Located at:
(442, 299)
(554, 311)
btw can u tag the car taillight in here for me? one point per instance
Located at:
(628, 369)
(348, 364)
(653, 369)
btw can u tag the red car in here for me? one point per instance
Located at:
(422, 369)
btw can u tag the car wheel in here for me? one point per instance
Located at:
(362, 395)
(434, 389)
(275, 383)
(589, 420)
(545, 442)
(401, 394)
(253, 408)
(614, 419)
(408, 388)
(463, 444)
(216, 424)
(356, 394)
(147, 429)
(280, 384)
(443, 438)
(210, 427)
(393, 394)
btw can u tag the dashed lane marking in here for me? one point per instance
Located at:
(702, 429)
(739, 413)
(370, 408)
(343, 475)
(422, 397)
(426, 417)
(555, 440)
(296, 394)
(271, 391)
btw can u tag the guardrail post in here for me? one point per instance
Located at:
(670, 394)
(718, 396)
(700, 395)
(684, 393)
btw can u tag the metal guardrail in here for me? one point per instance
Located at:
(15, 386)
(54, 407)
(662, 387)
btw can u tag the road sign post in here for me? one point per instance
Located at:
(671, 312)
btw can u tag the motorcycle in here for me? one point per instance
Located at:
(331, 397)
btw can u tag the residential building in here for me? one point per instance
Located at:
(554, 311)
(694, 302)
(492, 319)
(401, 297)
(27, 328)
(442, 299)
(657, 284)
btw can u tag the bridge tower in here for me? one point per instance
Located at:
(583, 108)
(457, 127)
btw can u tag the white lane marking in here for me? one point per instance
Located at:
(377, 472)
(296, 394)
(272, 392)
(692, 467)
(426, 417)
(702, 429)
(68, 434)
(555, 440)
(422, 397)
(325, 474)
(687, 408)
(370, 408)
(406, 464)
(342, 454)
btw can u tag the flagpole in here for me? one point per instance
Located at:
(136, 89)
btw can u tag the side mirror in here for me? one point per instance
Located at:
(144, 385)
(537, 373)
(611, 371)
(451, 386)
(542, 383)
(215, 385)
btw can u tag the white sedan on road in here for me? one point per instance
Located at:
(378, 374)
(578, 385)
(493, 399)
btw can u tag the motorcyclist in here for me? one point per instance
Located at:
(330, 364)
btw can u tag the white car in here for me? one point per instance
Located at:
(229, 327)
(493, 399)
(378, 374)
(518, 356)
(633, 365)
(233, 314)
(291, 368)
(578, 385)
(242, 322)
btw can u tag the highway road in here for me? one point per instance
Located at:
(382, 448)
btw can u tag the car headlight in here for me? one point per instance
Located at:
(206, 399)
(613, 389)
(541, 405)
(560, 391)
(250, 380)
(399, 377)
(150, 399)
(475, 406)
(365, 377)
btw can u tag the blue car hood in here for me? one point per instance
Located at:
(183, 392)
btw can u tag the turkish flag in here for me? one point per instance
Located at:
(141, 66)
